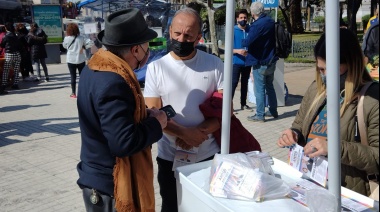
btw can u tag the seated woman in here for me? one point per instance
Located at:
(309, 128)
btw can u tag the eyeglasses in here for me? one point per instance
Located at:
(145, 52)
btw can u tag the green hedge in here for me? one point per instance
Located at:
(291, 59)
(365, 20)
(319, 19)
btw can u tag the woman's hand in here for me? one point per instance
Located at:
(316, 147)
(288, 138)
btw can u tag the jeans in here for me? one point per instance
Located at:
(73, 74)
(244, 71)
(205, 34)
(263, 81)
(43, 63)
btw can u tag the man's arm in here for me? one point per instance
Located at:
(240, 51)
(253, 34)
(193, 136)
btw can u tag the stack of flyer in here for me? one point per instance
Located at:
(299, 191)
(313, 168)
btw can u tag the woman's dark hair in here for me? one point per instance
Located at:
(72, 29)
(33, 27)
(21, 29)
(2, 29)
(9, 26)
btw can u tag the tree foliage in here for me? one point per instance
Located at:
(211, 20)
(319, 19)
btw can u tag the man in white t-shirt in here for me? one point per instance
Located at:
(184, 79)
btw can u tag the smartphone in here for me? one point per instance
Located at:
(170, 112)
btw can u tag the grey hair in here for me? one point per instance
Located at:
(257, 8)
(119, 51)
(190, 11)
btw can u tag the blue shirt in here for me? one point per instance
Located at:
(239, 35)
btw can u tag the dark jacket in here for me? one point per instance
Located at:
(23, 44)
(261, 42)
(239, 35)
(371, 41)
(37, 41)
(10, 43)
(106, 117)
(357, 160)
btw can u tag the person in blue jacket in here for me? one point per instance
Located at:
(240, 52)
(261, 43)
(117, 130)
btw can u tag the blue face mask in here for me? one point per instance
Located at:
(323, 78)
(242, 23)
(342, 79)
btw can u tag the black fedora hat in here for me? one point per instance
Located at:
(126, 28)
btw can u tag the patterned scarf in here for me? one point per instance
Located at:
(133, 176)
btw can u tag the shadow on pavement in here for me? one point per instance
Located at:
(61, 126)
(283, 116)
(19, 107)
(293, 100)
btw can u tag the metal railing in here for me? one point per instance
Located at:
(303, 49)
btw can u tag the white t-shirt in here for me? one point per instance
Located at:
(185, 85)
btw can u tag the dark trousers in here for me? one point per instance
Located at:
(244, 71)
(73, 74)
(44, 67)
(167, 182)
(105, 203)
(26, 65)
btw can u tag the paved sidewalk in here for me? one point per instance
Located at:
(40, 140)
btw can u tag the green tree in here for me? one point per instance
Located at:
(319, 19)
(296, 17)
(352, 9)
(211, 20)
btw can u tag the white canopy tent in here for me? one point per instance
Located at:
(332, 63)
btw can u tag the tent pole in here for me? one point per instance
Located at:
(227, 85)
(333, 99)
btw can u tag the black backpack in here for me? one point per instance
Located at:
(283, 41)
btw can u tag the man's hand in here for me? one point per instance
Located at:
(181, 143)
(241, 52)
(209, 126)
(159, 115)
(193, 136)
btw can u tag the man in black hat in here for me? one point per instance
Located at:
(117, 131)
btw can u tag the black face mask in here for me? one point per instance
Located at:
(242, 23)
(146, 53)
(182, 49)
